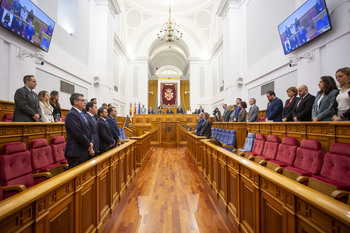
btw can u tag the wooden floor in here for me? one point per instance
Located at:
(169, 195)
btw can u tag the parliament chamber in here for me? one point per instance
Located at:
(256, 198)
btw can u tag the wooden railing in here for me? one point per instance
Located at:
(25, 132)
(78, 200)
(143, 143)
(261, 200)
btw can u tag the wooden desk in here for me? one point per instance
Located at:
(168, 133)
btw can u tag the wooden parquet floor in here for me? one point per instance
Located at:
(169, 195)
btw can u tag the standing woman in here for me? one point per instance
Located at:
(322, 109)
(287, 114)
(342, 101)
(243, 113)
(189, 111)
(46, 109)
(206, 127)
(217, 115)
(54, 97)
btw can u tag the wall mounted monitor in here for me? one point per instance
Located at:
(308, 22)
(26, 20)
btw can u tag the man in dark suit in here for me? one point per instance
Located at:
(79, 145)
(226, 116)
(253, 111)
(274, 107)
(303, 109)
(112, 114)
(169, 111)
(27, 107)
(179, 110)
(238, 102)
(91, 109)
(107, 141)
(198, 129)
(150, 110)
(200, 109)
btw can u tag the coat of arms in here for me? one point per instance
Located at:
(168, 94)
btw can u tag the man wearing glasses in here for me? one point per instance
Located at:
(79, 140)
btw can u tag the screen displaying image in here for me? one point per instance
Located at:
(305, 24)
(26, 20)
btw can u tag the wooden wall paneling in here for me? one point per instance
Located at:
(323, 132)
(60, 219)
(232, 175)
(215, 170)
(296, 130)
(265, 129)
(88, 209)
(6, 107)
(222, 178)
(104, 191)
(278, 129)
(114, 182)
(342, 132)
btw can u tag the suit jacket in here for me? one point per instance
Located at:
(94, 132)
(274, 111)
(288, 110)
(253, 114)
(303, 111)
(105, 136)
(237, 112)
(78, 135)
(169, 111)
(180, 111)
(114, 127)
(242, 115)
(199, 126)
(325, 111)
(200, 110)
(26, 106)
(206, 129)
(150, 111)
(226, 116)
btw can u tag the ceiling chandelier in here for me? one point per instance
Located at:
(169, 31)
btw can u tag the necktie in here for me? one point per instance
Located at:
(300, 101)
(250, 109)
(84, 117)
(34, 98)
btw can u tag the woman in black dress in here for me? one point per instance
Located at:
(54, 97)
(287, 114)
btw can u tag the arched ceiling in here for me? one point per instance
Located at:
(142, 20)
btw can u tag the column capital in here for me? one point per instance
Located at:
(112, 4)
(225, 5)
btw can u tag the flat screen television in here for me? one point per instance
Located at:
(26, 20)
(308, 22)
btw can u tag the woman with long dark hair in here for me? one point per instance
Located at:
(54, 97)
(322, 109)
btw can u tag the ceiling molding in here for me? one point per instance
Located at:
(225, 5)
(112, 5)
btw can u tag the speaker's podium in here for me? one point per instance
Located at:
(168, 133)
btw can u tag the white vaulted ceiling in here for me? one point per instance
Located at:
(142, 20)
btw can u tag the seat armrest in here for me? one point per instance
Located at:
(263, 162)
(65, 166)
(279, 169)
(302, 179)
(339, 194)
(19, 188)
(42, 174)
(241, 153)
(235, 151)
(251, 157)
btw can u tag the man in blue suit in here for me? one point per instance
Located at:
(198, 129)
(179, 110)
(112, 114)
(79, 145)
(91, 109)
(107, 141)
(274, 107)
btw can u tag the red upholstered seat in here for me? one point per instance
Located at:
(259, 143)
(58, 146)
(335, 172)
(15, 167)
(270, 149)
(1, 194)
(42, 160)
(285, 155)
(7, 117)
(308, 161)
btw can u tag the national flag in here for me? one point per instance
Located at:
(139, 112)
(130, 109)
(135, 108)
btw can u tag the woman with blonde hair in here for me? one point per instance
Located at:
(46, 109)
(342, 101)
(287, 114)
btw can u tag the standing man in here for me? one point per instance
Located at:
(91, 109)
(253, 111)
(179, 110)
(150, 110)
(238, 102)
(169, 111)
(302, 110)
(112, 114)
(226, 116)
(198, 129)
(200, 109)
(143, 109)
(274, 107)
(107, 141)
(27, 107)
(79, 145)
